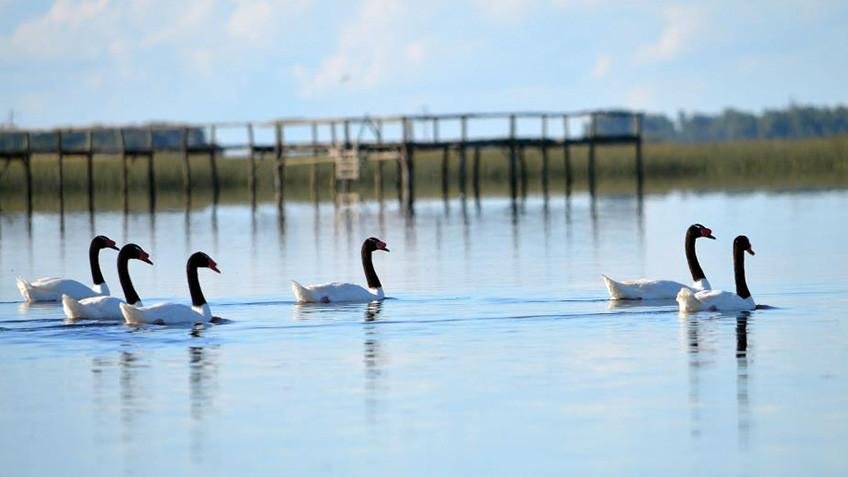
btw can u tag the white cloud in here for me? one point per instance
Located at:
(90, 29)
(505, 10)
(63, 26)
(378, 45)
(681, 28)
(602, 66)
(579, 3)
(258, 20)
(640, 97)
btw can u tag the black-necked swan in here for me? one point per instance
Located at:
(52, 288)
(346, 292)
(647, 289)
(109, 307)
(177, 313)
(718, 300)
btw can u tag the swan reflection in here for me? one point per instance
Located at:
(700, 334)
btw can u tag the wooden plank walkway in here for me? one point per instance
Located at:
(378, 138)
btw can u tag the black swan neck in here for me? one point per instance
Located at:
(368, 266)
(692, 259)
(94, 263)
(197, 298)
(124, 276)
(739, 272)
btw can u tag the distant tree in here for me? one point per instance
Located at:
(657, 127)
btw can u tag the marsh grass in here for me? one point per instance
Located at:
(738, 165)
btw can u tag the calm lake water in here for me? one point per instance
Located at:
(498, 353)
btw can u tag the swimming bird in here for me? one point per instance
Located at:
(718, 300)
(647, 289)
(109, 307)
(176, 313)
(52, 288)
(346, 292)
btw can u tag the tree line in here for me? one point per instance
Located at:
(793, 122)
(160, 136)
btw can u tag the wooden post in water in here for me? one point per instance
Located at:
(313, 168)
(475, 173)
(335, 143)
(640, 172)
(347, 145)
(522, 168)
(186, 165)
(89, 163)
(445, 159)
(513, 159)
(213, 164)
(463, 126)
(566, 155)
(122, 145)
(151, 177)
(251, 164)
(280, 165)
(408, 168)
(399, 164)
(28, 171)
(544, 155)
(61, 159)
(592, 130)
(378, 172)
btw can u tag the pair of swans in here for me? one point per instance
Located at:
(699, 296)
(80, 301)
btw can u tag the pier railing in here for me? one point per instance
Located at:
(340, 141)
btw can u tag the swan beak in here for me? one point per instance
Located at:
(382, 246)
(144, 257)
(751, 251)
(213, 266)
(112, 245)
(708, 233)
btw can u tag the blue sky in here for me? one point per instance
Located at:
(85, 61)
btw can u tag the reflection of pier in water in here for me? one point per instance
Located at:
(296, 142)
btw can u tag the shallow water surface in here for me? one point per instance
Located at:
(497, 352)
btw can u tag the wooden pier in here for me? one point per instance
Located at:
(343, 142)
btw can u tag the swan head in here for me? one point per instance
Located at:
(134, 251)
(201, 260)
(373, 243)
(742, 243)
(701, 231)
(102, 241)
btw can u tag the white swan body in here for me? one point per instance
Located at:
(109, 307)
(719, 300)
(177, 313)
(166, 314)
(335, 292)
(713, 300)
(94, 308)
(646, 289)
(52, 289)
